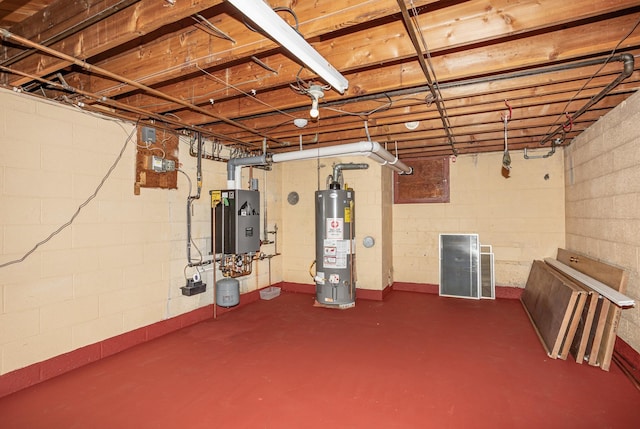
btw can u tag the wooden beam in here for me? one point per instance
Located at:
(415, 109)
(182, 52)
(55, 19)
(348, 53)
(466, 98)
(566, 44)
(123, 27)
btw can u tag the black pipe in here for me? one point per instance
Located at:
(627, 70)
(446, 85)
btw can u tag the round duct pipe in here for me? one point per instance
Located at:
(370, 149)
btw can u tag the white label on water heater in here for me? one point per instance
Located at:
(335, 227)
(335, 253)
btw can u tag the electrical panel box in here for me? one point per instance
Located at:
(237, 221)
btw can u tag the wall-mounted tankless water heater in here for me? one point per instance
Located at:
(235, 229)
(238, 222)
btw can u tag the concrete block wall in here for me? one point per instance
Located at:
(522, 217)
(121, 264)
(305, 177)
(602, 173)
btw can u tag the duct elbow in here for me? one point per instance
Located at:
(243, 162)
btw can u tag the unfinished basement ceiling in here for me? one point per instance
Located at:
(452, 67)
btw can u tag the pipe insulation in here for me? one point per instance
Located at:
(369, 149)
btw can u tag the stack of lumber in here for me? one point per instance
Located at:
(574, 303)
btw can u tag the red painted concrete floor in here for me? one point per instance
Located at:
(412, 361)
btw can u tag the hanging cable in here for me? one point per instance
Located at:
(81, 206)
(252, 96)
(366, 130)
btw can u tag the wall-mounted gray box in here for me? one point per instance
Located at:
(148, 135)
(237, 222)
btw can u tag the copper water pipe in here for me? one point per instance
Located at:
(126, 107)
(99, 70)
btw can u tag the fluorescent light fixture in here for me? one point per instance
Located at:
(262, 15)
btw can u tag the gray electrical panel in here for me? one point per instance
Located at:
(237, 222)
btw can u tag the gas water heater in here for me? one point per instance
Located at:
(335, 242)
(335, 248)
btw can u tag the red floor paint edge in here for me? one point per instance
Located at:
(310, 289)
(41, 371)
(416, 287)
(628, 359)
(502, 292)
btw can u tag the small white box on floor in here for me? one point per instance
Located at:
(269, 292)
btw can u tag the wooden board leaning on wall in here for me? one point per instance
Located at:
(569, 303)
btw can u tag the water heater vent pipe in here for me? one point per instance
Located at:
(370, 149)
(336, 177)
(234, 169)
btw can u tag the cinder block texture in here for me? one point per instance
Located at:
(602, 170)
(522, 217)
(120, 264)
(373, 216)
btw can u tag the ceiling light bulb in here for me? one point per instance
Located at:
(411, 125)
(315, 92)
(314, 112)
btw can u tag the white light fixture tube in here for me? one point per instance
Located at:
(262, 15)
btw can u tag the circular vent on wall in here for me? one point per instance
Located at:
(293, 198)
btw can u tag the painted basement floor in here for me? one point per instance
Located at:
(412, 361)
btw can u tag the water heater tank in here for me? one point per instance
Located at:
(335, 248)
